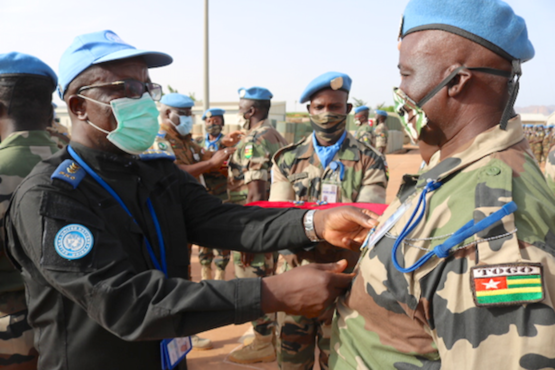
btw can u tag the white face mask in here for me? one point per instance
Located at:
(137, 123)
(242, 121)
(185, 125)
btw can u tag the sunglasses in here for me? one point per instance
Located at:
(133, 89)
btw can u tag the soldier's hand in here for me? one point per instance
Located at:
(344, 227)
(221, 156)
(306, 290)
(232, 138)
(247, 258)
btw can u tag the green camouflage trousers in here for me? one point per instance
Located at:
(262, 265)
(298, 336)
(219, 256)
(16, 336)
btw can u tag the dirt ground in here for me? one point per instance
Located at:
(229, 338)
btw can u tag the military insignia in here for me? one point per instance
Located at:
(336, 83)
(162, 146)
(507, 284)
(242, 93)
(248, 151)
(70, 172)
(73, 241)
(401, 24)
(209, 114)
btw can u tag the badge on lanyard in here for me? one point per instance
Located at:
(377, 234)
(174, 350)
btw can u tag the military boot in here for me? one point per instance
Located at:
(206, 272)
(201, 344)
(220, 274)
(260, 350)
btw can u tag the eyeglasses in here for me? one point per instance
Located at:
(133, 89)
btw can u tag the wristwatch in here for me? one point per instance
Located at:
(308, 222)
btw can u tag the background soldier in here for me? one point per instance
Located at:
(550, 169)
(461, 274)
(546, 143)
(26, 87)
(249, 181)
(216, 184)
(537, 142)
(364, 133)
(328, 165)
(381, 131)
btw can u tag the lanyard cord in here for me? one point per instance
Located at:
(442, 250)
(161, 267)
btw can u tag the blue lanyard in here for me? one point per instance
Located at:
(442, 250)
(161, 267)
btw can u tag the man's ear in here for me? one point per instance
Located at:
(349, 108)
(78, 106)
(3, 110)
(459, 82)
(308, 108)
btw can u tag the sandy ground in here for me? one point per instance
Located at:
(229, 338)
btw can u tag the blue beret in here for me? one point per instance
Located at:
(100, 47)
(255, 93)
(490, 23)
(361, 109)
(176, 100)
(381, 113)
(329, 80)
(213, 112)
(15, 63)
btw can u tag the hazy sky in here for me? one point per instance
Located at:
(281, 45)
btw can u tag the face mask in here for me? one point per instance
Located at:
(328, 126)
(242, 121)
(358, 122)
(137, 123)
(214, 130)
(185, 125)
(406, 108)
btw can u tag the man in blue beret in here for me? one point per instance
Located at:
(380, 131)
(328, 166)
(100, 230)
(26, 86)
(460, 275)
(365, 132)
(249, 181)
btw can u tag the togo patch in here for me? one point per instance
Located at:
(248, 151)
(73, 241)
(507, 284)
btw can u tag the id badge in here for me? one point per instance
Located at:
(331, 192)
(173, 351)
(196, 157)
(375, 235)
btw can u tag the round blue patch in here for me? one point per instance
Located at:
(73, 241)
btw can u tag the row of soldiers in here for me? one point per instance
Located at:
(541, 138)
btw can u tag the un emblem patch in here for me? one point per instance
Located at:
(73, 241)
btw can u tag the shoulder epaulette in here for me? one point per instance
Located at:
(152, 154)
(70, 172)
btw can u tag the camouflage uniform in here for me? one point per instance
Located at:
(381, 134)
(297, 174)
(546, 143)
(19, 153)
(443, 315)
(186, 152)
(550, 169)
(365, 134)
(59, 134)
(537, 141)
(252, 161)
(216, 184)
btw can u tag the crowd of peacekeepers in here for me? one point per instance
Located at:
(459, 267)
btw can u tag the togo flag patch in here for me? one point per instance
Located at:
(248, 151)
(73, 241)
(507, 284)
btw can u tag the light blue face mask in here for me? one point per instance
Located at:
(185, 125)
(137, 123)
